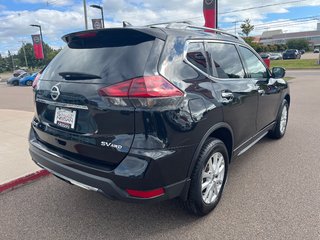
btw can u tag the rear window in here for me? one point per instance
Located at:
(113, 56)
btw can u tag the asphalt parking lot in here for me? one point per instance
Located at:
(273, 191)
(310, 55)
(16, 98)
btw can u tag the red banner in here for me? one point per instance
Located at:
(37, 46)
(210, 12)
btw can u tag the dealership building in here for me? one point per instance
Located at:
(279, 37)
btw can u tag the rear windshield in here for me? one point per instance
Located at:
(113, 56)
(291, 51)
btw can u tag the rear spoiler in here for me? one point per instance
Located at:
(156, 33)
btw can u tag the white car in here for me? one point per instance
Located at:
(316, 50)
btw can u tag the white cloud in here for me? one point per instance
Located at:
(56, 21)
(48, 2)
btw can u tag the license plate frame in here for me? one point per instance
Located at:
(65, 118)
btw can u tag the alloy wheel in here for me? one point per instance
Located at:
(212, 177)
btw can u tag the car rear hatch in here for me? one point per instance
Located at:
(72, 115)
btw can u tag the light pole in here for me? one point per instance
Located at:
(101, 9)
(85, 14)
(39, 26)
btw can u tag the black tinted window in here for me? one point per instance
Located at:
(101, 56)
(196, 56)
(256, 68)
(225, 60)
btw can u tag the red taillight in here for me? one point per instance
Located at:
(146, 194)
(143, 87)
(153, 87)
(36, 80)
(117, 90)
(143, 93)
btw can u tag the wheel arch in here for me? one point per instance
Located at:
(287, 97)
(221, 131)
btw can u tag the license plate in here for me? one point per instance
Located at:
(65, 118)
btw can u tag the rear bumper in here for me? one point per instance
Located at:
(106, 182)
(289, 57)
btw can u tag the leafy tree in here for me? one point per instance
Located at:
(258, 47)
(298, 44)
(3, 64)
(246, 27)
(49, 54)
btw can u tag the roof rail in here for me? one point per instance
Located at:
(188, 24)
(215, 30)
(168, 23)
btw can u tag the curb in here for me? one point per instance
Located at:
(8, 186)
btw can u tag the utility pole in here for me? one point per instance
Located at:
(85, 14)
(24, 52)
(235, 27)
(12, 61)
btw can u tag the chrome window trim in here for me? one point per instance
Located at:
(205, 41)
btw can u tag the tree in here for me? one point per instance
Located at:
(3, 64)
(49, 54)
(259, 47)
(246, 27)
(300, 44)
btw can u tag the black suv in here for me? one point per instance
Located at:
(291, 54)
(144, 114)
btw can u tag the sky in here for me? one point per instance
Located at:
(59, 17)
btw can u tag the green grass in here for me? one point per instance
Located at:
(288, 78)
(296, 63)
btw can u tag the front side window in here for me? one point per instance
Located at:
(196, 56)
(256, 68)
(225, 59)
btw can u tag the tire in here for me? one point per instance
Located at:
(281, 123)
(29, 83)
(15, 83)
(197, 203)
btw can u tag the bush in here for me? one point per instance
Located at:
(258, 47)
(300, 44)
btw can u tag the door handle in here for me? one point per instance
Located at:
(227, 96)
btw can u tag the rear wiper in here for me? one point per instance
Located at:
(78, 76)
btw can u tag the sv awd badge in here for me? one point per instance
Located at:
(111, 145)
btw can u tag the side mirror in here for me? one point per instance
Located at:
(278, 72)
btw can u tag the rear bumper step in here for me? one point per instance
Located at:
(63, 169)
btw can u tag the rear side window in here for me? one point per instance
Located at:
(255, 67)
(196, 56)
(113, 56)
(225, 59)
